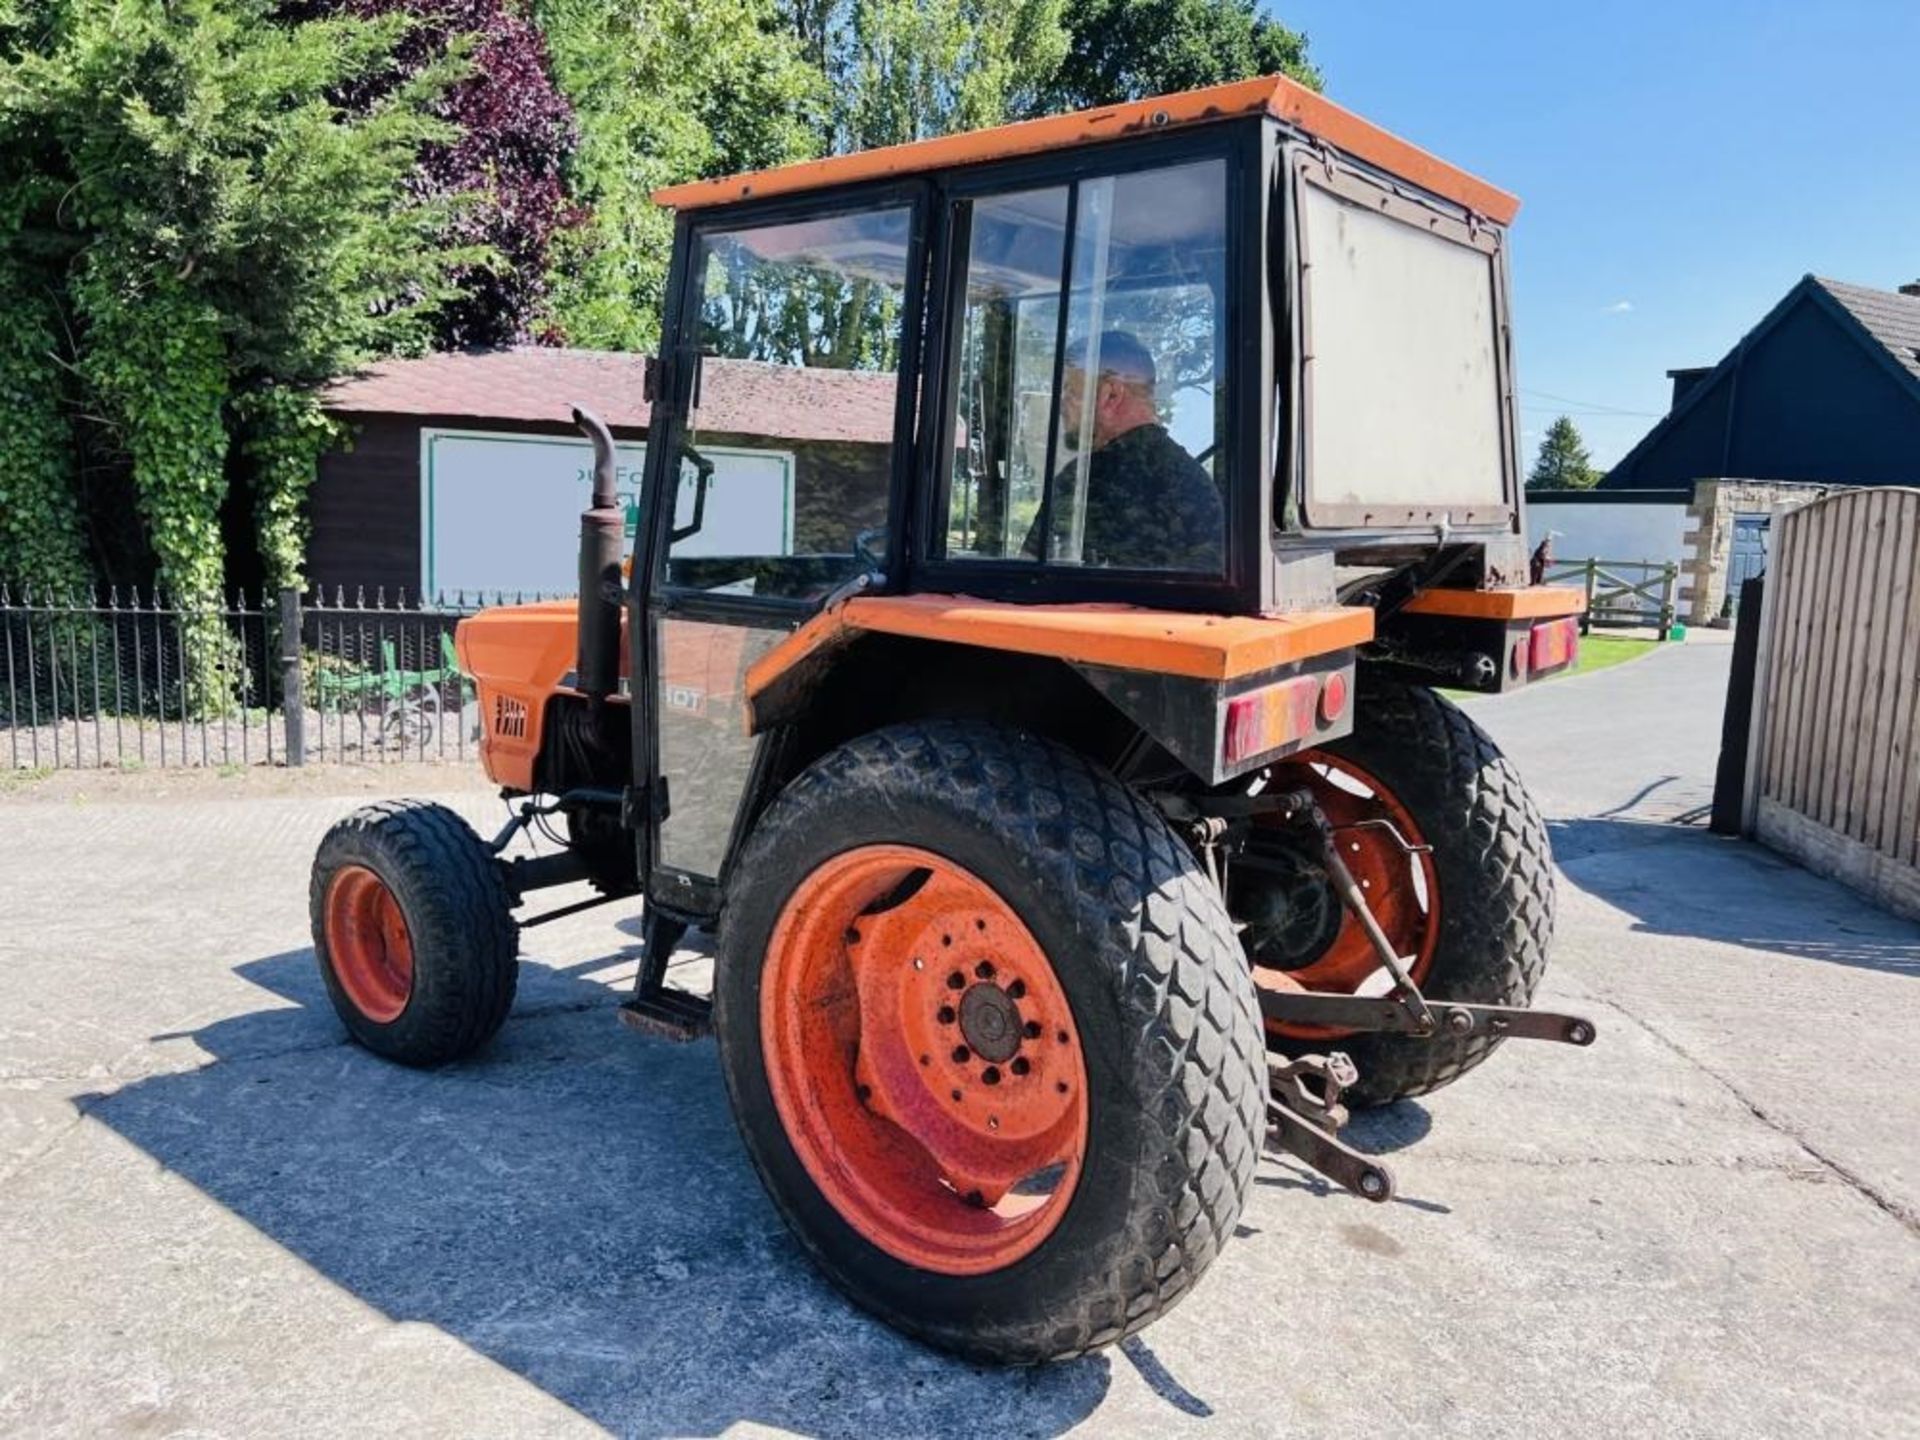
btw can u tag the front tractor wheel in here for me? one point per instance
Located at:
(413, 927)
(989, 1040)
(1470, 910)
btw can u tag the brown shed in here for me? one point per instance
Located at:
(464, 470)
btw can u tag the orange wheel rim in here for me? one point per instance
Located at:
(1401, 889)
(368, 944)
(924, 1060)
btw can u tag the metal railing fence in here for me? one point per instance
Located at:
(135, 679)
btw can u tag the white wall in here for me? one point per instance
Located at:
(1616, 530)
(500, 511)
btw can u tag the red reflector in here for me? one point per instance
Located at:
(1333, 697)
(1272, 716)
(1553, 644)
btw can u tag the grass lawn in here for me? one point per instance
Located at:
(1597, 652)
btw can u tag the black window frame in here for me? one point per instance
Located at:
(680, 339)
(650, 600)
(1237, 587)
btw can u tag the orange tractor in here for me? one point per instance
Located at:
(1049, 743)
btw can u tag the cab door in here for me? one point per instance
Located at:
(781, 448)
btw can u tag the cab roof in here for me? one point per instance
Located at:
(1273, 95)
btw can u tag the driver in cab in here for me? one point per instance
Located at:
(1150, 505)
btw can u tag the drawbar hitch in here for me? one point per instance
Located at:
(1304, 1105)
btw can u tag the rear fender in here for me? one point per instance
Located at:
(1224, 695)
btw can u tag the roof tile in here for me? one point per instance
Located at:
(534, 383)
(1889, 316)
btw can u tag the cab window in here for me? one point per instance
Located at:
(787, 460)
(1089, 387)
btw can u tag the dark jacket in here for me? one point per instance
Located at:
(1151, 506)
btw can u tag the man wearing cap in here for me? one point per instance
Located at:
(1150, 505)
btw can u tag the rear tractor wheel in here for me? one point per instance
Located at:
(989, 1040)
(1469, 908)
(413, 927)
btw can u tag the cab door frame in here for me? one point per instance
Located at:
(679, 893)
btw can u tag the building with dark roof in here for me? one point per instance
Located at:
(464, 471)
(1824, 390)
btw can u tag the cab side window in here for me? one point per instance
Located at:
(788, 458)
(1089, 386)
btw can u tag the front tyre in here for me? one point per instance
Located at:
(989, 1040)
(413, 927)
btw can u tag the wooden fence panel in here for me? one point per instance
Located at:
(1837, 711)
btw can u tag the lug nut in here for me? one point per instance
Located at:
(991, 1075)
(956, 981)
(1020, 1065)
(961, 1054)
(984, 970)
(1016, 990)
(946, 1015)
(1031, 1029)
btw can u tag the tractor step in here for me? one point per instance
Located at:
(669, 1014)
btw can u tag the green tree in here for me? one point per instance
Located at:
(663, 91)
(1563, 462)
(1128, 49)
(902, 70)
(207, 237)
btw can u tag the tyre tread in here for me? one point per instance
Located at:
(1133, 891)
(459, 917)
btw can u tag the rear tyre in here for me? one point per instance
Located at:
(1477, 922)
(990, 1040)
(413, 927)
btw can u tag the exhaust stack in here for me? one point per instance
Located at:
(602, 539)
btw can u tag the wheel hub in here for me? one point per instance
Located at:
(1294, 923)
(990, 1022)
(937, 1096)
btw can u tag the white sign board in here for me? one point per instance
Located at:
(501, 512)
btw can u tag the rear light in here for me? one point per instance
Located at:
(1333, 697)
(1277, 715)
(1553, 645)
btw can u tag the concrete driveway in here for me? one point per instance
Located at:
(221, 1219)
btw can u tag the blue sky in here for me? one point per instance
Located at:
(1679, 166)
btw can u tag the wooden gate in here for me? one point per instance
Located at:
(1621, 592)
(1833, 775)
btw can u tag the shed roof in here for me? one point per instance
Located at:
(534, 384)
(1271, 95)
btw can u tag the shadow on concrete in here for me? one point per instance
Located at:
(572, 1204)
(1675, 880)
